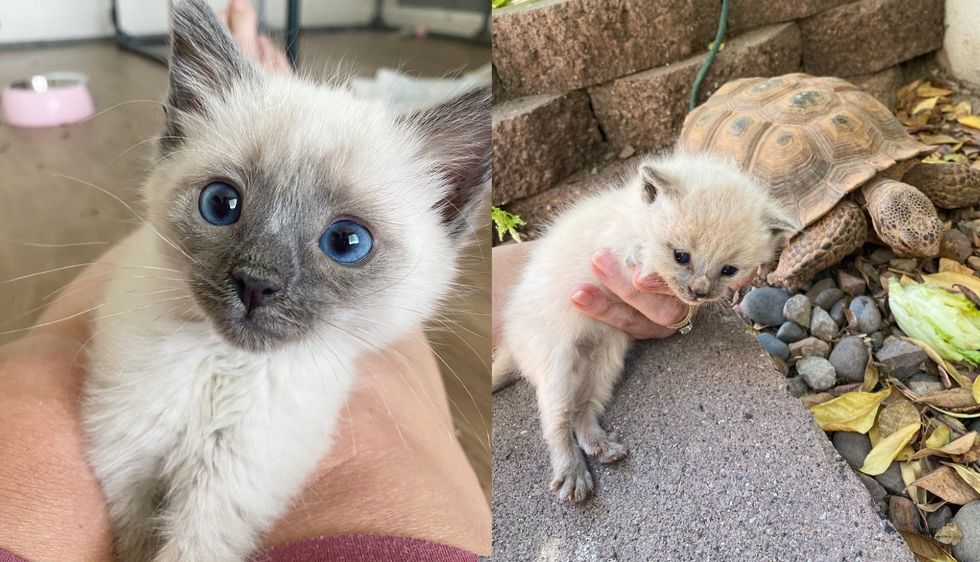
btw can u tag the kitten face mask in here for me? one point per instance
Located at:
(299, 212)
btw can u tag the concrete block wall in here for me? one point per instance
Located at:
(578, 80)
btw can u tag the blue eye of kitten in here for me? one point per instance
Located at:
(729, 270)
(681, 257)
(346, 242)
(220, 204)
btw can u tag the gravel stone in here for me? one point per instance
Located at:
(973, 262)
(854, 447)
(798, 309)
(851, 284)
(817, 372)
(820, 286)
(938, 519)
(809, 347)
(867, 314)
(968, 520)
(891, 479)
(822, 325)
(881, 256)
(828, 298)
(796, 386)
(773, 345)
(924, 383)
(849, 358)
(837, 311)
(955, 245)
(764, 305)
(902, 357)
(879, 497)
(791, 332)
(877, 339)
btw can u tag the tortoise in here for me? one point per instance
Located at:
(816, 141)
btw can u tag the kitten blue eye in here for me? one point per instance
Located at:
(346, 242)
(681, 257)
(729, 270)
(220, 204)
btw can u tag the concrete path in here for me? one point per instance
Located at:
(723, 465)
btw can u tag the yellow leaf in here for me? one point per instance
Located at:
(970, 476)
(928, 91)
(896, 414)
(874, 435)
(926, 105)
(952, 275)
(912, 471)
(942, 363)
(957, 447)
(971, 121)
(937, 139)
(939, 437)
(963, 109)
(882, 454)
(870, 377)
(926, 549)
(933, 159)
(853, 411)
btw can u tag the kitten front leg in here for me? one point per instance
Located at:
(556, 401)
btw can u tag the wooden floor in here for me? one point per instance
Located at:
(113, 150)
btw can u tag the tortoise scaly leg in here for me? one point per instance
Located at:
(903, 217)
(822, 244)
(949, 185)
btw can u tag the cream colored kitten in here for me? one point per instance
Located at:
(697, 221)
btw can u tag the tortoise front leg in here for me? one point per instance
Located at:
(822, 244)
(948, 185)
(903, 217)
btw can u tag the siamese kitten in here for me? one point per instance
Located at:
(290, 227)
(698, 222)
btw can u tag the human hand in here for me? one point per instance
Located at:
(394, 441)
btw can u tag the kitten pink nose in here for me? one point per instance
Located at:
(253, 290)
(700, 287)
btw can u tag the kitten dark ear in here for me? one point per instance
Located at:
(457, 135)
(781, 226)
(204, 63)
(656, 183)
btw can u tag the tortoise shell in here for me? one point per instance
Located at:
(813, 139)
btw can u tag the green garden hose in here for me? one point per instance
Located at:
(719, 38)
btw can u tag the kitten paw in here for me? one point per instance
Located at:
(603, 446)
(573, 483)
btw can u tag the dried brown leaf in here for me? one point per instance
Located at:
(895, 415)
(957, 447)
(945, 483)
(949, 534)
(926, 549)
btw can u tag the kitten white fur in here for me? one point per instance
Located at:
(694, 203)
(200, 442)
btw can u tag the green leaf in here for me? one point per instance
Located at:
(506, 223)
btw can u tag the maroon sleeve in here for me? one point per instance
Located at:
(348, 548)
(363, 548)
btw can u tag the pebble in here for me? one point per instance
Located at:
(819, 287)
(968, 521)
(809, 347)
(867, 314)
(851, 284)
(955, 246)
(923, 383)
(881, 256)
(903, 514)
(974, 262)
(828, 298)
(854, 447)
(817, 372)
(764, 305)
(891, 479)
(969, 228)
(938, 519)
(790, 332)
(901, 357)
(974, 425)
(877, 339)
(796, 386)
(878, 494)
(849, 358)
(837, 312)
(773, 345)
(907, 265)
(822, 325)
(797, 309)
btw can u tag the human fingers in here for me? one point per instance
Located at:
(591, 301)
(664, 310)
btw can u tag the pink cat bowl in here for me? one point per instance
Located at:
(47, 100)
